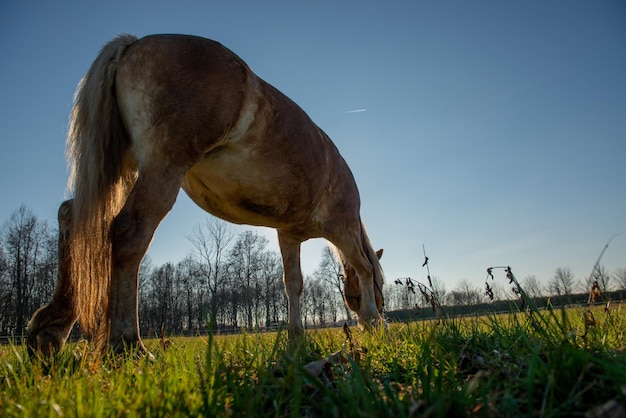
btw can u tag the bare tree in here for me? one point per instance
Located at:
(465, 294)
(29, 267)
(395, 295)
(244, 266)
(188, 274)
(211, 241)
(5, 292)
(315, 298)
(391, 297)
(405, 294)
(45, 275)
(599, 275)
(271, 287)
(146, 322)
(562, 282)
(619, 275)
(331, 273)
(532, 286)
(164, 297)
(502, 291)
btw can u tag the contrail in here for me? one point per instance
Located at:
(356, 111)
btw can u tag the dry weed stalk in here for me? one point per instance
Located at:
(428, 292)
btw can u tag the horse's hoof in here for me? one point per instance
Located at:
(131, 349)
(147, 355)
(48, 329)
(44, 339)
(43, 343)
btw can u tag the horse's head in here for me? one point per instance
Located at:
(352, 290)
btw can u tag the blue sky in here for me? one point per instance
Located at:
(493, 132)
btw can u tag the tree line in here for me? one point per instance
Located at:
(563, 284)
(228, 281)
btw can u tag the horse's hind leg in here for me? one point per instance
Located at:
(148, 203)
(50, 325)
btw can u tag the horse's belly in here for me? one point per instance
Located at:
(246, 193)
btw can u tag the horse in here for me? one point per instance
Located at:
(162, 112)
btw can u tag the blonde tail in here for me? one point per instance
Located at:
(100, 179)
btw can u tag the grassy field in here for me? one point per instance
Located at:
(553, 363)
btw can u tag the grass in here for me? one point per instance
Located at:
(550, 363)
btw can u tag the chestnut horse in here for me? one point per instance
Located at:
(163, 112)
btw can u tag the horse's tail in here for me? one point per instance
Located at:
(100, 178)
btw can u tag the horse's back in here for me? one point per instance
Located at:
(253, 155)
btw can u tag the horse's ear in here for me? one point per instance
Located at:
(379, 253)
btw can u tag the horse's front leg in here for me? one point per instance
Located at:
(292, 278)
(50, 325)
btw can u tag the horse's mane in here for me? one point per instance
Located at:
(379, 276)
(351, 281)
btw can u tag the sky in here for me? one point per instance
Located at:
(491, 133)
